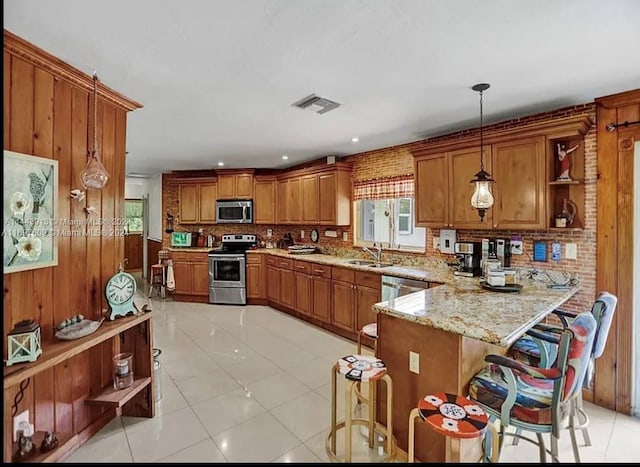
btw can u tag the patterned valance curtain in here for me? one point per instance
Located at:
(383, 188)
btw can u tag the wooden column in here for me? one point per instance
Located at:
(614, 272)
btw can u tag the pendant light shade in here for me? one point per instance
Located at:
(94, 176)
(482, 199)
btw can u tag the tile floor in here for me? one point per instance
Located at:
(252, 384)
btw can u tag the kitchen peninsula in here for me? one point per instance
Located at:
(451, 327)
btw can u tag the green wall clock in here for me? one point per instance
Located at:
(119, 292)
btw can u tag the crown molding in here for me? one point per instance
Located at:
(34, 55)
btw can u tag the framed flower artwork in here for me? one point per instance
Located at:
(30, 212)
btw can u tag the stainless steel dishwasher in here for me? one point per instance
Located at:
(394, 287)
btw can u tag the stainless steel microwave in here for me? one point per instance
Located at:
(234, 211)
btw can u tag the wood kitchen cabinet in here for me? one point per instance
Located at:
(256, 273)
(191, 273)
(310, 199)
(520, 194)
(318, 196)
(235, 185)
(303, 287)
(197, 202)
(281, 281)
(463, 166)
(343, 290)
(264, 202)
(321, 297)
(523, 163)
(432, 190)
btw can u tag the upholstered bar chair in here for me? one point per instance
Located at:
(535, 349)
(535, 399)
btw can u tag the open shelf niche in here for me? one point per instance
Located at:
(561, 190)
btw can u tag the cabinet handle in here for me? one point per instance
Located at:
(319, 271)
(299, 267)
(495, 225)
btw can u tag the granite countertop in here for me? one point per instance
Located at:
(441, 275)
(462, 307)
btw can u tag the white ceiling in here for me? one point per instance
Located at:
(217, 77)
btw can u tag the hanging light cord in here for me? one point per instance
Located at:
(481, 140)
(95, 114)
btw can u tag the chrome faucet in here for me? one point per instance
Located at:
(377, 255)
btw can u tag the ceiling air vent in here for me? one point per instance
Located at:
(318, 104)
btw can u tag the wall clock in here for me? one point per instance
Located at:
(314, 235)
(120, 289)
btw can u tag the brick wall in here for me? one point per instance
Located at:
(398, 160)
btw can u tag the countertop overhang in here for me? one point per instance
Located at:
(462, 307)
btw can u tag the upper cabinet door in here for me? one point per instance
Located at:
(465, 163)
(265, 201)
(432, 191)
(188, 201)
(244, 186)
(328, 196)
(310, 198)
(283, 201)
(294, 202)
(207, 208)
(226, 186)
(520, 188)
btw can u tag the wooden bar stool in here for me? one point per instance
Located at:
(157, 280)
(456, 418)
(371, 331)
(361, 368)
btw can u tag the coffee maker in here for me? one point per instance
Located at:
(497, 248)
(469, 255)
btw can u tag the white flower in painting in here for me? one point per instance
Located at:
(29, 247)
(20, 203)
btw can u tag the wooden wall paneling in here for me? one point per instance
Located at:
(118, 177)
(7, 99)
(43, 147)
(79, 390)
(106, 120)
(21, 113)
(78, 287)
(44, 397)
(62, 141)
(624, 354)
(63, 375)
(607, 247)
(94, 254)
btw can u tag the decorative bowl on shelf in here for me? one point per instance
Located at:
(78, 330)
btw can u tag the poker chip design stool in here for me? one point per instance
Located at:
(361, 369)
(455, 417)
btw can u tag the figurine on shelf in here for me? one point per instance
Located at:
(49, 442)
(25, 440)
(565, 161)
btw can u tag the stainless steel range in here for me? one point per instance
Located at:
(227, 270)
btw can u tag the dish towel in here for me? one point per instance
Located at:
(171, 281)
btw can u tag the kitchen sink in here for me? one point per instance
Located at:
(380, 265)
(362, 262)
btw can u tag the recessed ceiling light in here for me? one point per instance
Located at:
(285, 158)
(355, 139)
(220, 164)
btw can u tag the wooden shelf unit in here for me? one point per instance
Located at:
(111, 397)
(57, 352)
(67, 443)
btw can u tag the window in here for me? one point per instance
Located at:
(133, 215)
(383, 211)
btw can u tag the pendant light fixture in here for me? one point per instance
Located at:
(94, 176)
(482, 198)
